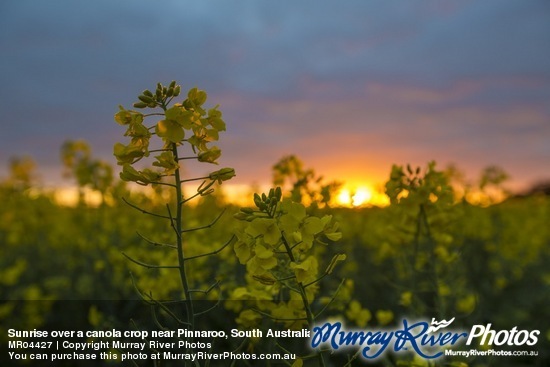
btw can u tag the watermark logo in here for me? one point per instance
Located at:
(439, 325)
(513, 337)
(428, 340)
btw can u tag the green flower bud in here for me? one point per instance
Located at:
(257, 200)
(145, 99)
(240, 216)
(140, 105)
(278, 193)
(223, 174)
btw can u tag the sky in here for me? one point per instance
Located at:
(350, 87)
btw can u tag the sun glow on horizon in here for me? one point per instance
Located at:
(349, 195)
(359, 196)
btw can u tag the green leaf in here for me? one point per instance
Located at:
(170, 130)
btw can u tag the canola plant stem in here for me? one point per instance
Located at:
(179, 244)
(309, 314)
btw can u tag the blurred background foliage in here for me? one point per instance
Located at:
(430, 253)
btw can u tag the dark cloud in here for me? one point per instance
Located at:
(459, 81)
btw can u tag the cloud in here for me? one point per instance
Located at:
(461, 81)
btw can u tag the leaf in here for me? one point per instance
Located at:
(170, 130)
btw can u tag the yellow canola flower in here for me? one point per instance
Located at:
(384, 317)
(306, 271)
(406, 299)
(357, 313)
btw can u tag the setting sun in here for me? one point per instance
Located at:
(356, 196)
(362, 196)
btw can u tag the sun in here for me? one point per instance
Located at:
(344, 197)
(362, 196)
(359, 196)
(354, 197)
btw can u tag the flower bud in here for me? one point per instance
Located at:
(140, 105)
